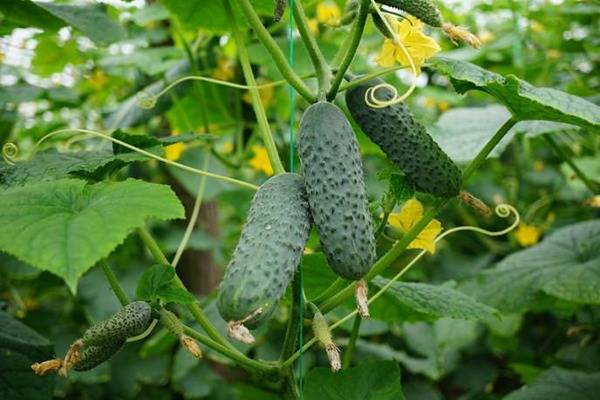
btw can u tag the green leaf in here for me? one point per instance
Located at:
(158, 283)
(463, 132)
(379, 380)
(559, 384)
(66, 226)
(20, 347)
(564, 265)
(435, 301)
(400, 188)
(91, 20)
(27, 14)
(525, 101)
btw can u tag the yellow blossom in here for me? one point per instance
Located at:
(260, 161)
(537, 26)
(411, 213)
(419, 46)
(443, 106)
(224, 70)
(313, 26)
(528, 235)
(98, 79)
(266, 94)
(538, 166)
(593, 202)
(173, 151)
(329, 13)
(227, 148)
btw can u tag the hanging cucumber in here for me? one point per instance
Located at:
(93, 355)
(333, 176)
(131, 320)
(425, 10)
(267, 254)
(405, 141)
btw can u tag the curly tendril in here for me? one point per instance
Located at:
(145, 153)
(144, 334)
(370, 98)
(10, 151)
(502, 211)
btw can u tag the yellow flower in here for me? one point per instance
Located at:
(528, 235)
(227, 148)
(313, 26)
(265, 93)
(224, 70)
(260, 161)
(593, 202)
(329, 13)
(443, 106)
(418, 45)
(98, 79)
(173, 151)
(537, 26)
(411, 213)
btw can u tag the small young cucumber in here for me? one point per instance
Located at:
(425, 10)
(268, 252)
(405, 141)
(333, 176)
(94, 355)
(131, 320)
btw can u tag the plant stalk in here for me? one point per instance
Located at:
(114, 283)
(347, 361)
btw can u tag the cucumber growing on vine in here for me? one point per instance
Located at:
(333, 176)
(131, 320)
(405, 141)
(268, 252)
(93, 355)
(425, 10)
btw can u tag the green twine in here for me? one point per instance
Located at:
(292, 141)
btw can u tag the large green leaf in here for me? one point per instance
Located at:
(560, 384)
(462, 132)
(91, 20)
(379, 380)
(20, 347)
(565, 265)
(66, 226)
(525, 101)
(435, 301)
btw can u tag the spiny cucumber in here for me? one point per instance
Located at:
(425, 10)
(268, 252)
(93, 355)
(334, 182)
(131, 320)
(405, 141)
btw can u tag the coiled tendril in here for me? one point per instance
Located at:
(10, 151)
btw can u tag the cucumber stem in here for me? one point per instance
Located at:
(114, 283)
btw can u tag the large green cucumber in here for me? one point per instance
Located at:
(333, 176)
(268, 252)
(93, 355)
(425, 10)
(131, 320)
(405, 141)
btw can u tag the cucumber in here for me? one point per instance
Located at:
(94, 355)
(131, 320)
(334, 182)
(268, 252)
(425, 10)
(405, 141)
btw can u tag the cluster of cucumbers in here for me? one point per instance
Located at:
(331, 195)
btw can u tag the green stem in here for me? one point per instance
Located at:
(352, 343)
(591, 185)
(368, 77)
(316, 56)
(291, 335)
(257, 105)
(278, 57)
(357, 31)
(489, 146)
(114, 283)
(235, 355)
(194, 308)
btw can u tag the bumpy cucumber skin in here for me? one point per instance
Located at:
(405, 141)
(268, 252)
(94, 355)
(425, 10)
(131, 320)
(336, 191)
